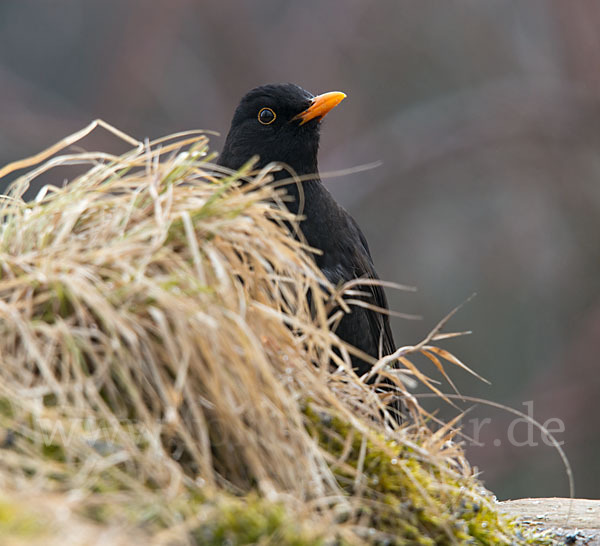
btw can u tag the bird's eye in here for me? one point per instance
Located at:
(266, 116)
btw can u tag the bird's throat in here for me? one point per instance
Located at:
(301, 190)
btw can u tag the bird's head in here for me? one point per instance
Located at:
(278, 123)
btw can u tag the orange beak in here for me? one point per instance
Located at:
(320, 106)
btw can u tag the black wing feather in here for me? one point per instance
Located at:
(379, 324)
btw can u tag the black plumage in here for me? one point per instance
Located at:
(281, 123)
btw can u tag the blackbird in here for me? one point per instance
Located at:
(281, 123)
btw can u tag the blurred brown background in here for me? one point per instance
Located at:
(486, 116)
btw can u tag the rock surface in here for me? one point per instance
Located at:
(574, 521)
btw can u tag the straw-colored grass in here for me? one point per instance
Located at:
(163, 375)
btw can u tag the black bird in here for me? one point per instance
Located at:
(281, 123)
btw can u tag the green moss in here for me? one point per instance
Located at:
(54, 452)
(17, 522)
(253, 521)
(411, 500)
(6, 407)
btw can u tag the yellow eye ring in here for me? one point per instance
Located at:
(266, 116)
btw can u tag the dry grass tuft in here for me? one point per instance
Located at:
(162, 371)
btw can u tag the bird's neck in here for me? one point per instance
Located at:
(303, 191)
(318, 211)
